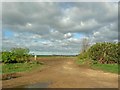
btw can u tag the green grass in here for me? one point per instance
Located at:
(113, 68)
(80, 61)
(19, 67)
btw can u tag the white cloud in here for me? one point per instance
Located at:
(28, 25)
(67, 35)
(51, 26)
(96, 33)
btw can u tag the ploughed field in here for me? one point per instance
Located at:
(63, 72)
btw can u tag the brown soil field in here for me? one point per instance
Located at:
(63, 72)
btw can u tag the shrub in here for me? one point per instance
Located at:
(104, 52)
(8, 57)
(16, 55)
(83, 58)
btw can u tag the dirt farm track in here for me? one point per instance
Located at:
(62, 72)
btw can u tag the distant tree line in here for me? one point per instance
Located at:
(104, 52)
(15, 55)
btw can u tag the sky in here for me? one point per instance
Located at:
(48, 28)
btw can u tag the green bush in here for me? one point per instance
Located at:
(83, 58)
(16, 55)
(8, 57)
(104, 52)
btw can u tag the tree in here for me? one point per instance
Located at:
(85, 44)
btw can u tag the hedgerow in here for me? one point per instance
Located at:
(105, 52)
(15, 55)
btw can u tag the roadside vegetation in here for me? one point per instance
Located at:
(103, 56)
(16, 55)
(113, 68)
(17, 60)
(19, 67)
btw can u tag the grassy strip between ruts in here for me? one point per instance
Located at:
(19, 67)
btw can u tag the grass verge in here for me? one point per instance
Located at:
(19, 67)
(113, 68)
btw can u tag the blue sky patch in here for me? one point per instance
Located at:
(8, 33)
(78, 35)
